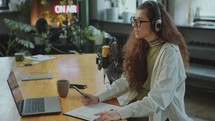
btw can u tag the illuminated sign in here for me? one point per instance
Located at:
(66, 9)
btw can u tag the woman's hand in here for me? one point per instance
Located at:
(108, 116)
(89, 99)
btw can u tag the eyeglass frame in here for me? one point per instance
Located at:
(133, 20)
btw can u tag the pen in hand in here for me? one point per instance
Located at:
(79, 91)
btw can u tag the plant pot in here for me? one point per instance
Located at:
(126, 17)
(13, 6)
(112, 14)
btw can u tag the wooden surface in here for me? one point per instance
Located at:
(81, 69)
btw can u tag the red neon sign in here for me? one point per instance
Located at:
(66, 9)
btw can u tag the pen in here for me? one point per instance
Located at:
(28, 64)
(79, 91)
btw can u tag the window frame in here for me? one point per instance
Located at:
(4, 5)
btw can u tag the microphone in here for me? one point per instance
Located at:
(105, 59)
(105, 56)
(110, 60)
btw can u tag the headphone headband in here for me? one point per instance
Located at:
(157, 22)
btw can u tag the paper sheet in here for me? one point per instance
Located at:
(88, 112)
(40, 57)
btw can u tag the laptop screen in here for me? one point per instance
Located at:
(15, 90)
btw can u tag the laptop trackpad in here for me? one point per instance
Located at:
(52, 104)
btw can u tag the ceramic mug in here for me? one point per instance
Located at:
(63, 87)
(19, 56)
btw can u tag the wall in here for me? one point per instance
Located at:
(181, 8)
(97, 9)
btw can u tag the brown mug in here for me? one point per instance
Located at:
(19, 56)
(63, 87)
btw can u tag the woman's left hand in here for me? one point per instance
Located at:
(108, 116)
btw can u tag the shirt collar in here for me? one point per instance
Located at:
(155, 42)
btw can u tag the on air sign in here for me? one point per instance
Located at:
(66, 9)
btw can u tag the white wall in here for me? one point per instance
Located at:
(97, 9)
(181, 8)
(14, 1)
(181, 12)
(207, 7)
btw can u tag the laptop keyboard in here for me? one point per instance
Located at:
(34, 105)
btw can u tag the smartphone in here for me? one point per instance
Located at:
(79, 86)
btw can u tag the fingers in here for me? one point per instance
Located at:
(103, 116)
(89, 100)
(85, 101)
(108, 116)
(101, 113)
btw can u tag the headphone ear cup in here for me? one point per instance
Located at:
(158, 25)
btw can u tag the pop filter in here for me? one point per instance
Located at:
(114, 52)
(113, 62)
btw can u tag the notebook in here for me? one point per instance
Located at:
(35, 76)
(88, 112)
(32, 106)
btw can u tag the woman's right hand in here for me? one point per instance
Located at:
(89, 99)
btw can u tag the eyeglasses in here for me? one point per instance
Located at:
(137, 22)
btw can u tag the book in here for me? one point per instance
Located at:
(88, 112)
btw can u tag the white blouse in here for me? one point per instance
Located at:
(166, 97)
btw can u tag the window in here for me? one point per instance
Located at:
(206, 7)
(3, 4)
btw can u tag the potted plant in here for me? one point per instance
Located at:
(112, 13)
(87, 38)
(17, 36)
(22, 38)
(125, 14)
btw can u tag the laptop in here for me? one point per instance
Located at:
(32, 106)
(35, 76)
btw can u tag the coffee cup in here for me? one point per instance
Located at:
(19, 56)
(63, 87)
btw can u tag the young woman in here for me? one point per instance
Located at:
(154, 70)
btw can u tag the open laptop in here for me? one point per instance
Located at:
(32, 106)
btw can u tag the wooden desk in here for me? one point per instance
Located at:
(75, 68)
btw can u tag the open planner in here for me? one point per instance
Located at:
(88, 112)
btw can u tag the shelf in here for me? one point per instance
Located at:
(8, 12)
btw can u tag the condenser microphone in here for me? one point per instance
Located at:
(105, 56)
(105, 59)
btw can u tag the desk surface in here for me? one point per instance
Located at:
(80, 69)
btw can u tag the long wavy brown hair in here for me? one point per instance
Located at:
(135, 50)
